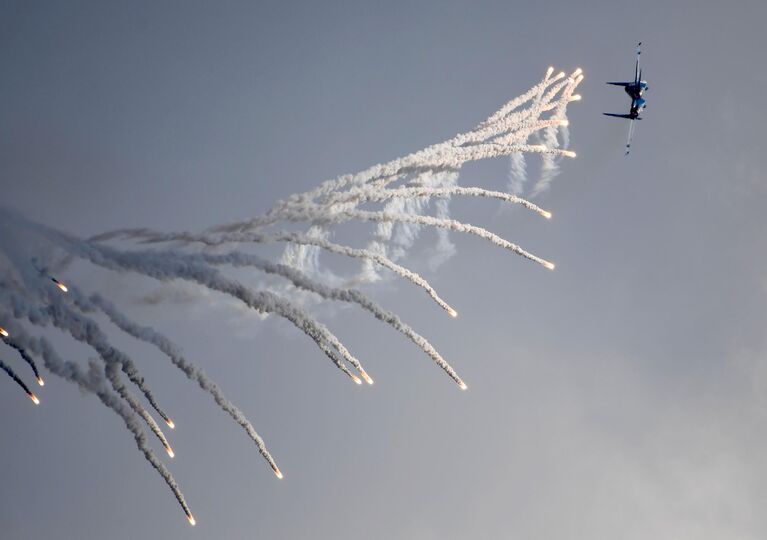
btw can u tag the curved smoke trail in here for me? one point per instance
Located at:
(401, 192)
(12, 374)
(28, 359)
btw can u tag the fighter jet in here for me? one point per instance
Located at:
(635, 89)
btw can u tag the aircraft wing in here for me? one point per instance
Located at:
(620, 83)
(618, 115)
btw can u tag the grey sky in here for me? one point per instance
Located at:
(622, 396)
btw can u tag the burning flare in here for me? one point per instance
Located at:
(365, 376)
(404, 186)
(60, 285)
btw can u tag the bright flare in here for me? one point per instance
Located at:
(170, 451)
(34, 399)
(575, 97)
(564, 122)
(546, 214)
(3, 332)
(59, 284)
(40, 381)
(170, 423)
(462, 385)
(366, 377)
(453, 313)
(278, 473)
(356, 379)
(577, 72)
(549, 71)
(549, 265)
(568, 153)
(191, 519)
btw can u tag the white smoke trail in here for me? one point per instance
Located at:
(317, 214)
(445, 247)
(113, 376)
(517, 165)
(517, 173)
(87, 331)
(448, 224)
(534, 92)
(497, 136)
(345, 295)
(451, 154)
(401, 235)
(150, 236)
(550, 166)
(165, 266)
(380, 195)
(404, 187)
(193, 373)
(93, 381)
(306, 257)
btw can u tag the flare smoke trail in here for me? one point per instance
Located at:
(330, 293)
(450, 224)
(148, 236)
(400, 192)
(12, 374)
(550, 167)
(193, 373)
(517, 164)
(93, 381)
(517, 173)
(28, 359)
(165, 266)
(87, 331)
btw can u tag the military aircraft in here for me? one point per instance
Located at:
(635, 89)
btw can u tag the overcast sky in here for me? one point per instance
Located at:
(622, 396)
